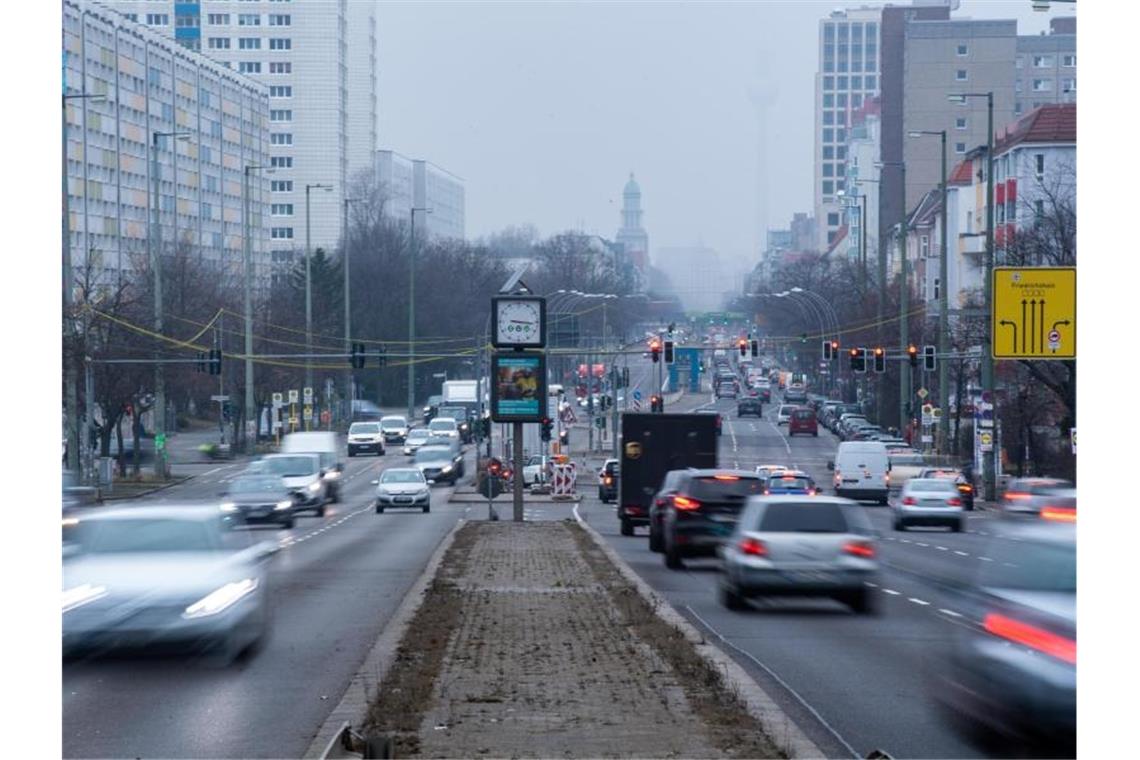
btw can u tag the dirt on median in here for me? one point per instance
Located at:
(530, 643)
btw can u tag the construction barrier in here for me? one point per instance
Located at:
(565, 481)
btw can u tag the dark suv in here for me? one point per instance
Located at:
(750, 405)
(703, 512)
(608, 481)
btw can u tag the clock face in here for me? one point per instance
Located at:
(519, 323)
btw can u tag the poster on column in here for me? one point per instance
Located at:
(518, 387)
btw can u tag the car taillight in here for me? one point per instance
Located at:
(753, 547)
(965, 488)
(685, 503)
(909, 501)
(954, 502)
(608, 480)
(1015, 496)
(660, 502)
(1039, 639)
(1059, 514)
(767, 492)
(859, 549)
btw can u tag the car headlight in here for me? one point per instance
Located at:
(81, 595)
(446, 468)
(228, 506)
(463, 426)
(314, 487)
(407, 449)
(285, 504)
(221, 599)
(332, 475)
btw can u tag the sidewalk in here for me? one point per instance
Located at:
(529, 642)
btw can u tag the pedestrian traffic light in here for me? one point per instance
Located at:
(625, 377)
(929, 358)
(668, 352)
(755, 348)
(547, 429)
(825, 349)
(215, 361)
(880, 360)
(358, 355)
(858, 360)
(743, 347)
(912, 353)
(655, 350)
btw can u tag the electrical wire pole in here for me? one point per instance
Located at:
(412, 313)
(904, 305)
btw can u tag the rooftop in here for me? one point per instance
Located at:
(1051, 123)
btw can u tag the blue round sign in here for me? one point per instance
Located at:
(637, 395)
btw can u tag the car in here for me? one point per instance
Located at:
(790, 482)
(802, 420)
(1010, 682)
(847, 423)
(766, 471)
(394, 427)
(438, 463)
(303, 476)
(325, 445)
(365, 436)
(402, 487)
(533, 469)
(861, 470)
(965, 488)
(365, 411)
(725, 389)
(795, 394)
(904, 466)
(703, 512)
(929, 501)
(608, 481)
(416, 437)
(164, 575)
(1024, 497)
(431, 407)
(462, 419)
(662, 500)
(259, 499)
(866, 432)
(784, 413)
(800, 546)
(444, 426)
(752, 405)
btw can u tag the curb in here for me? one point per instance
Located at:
(759, 704)
(352, 709)
(173, 482)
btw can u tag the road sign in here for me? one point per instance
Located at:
(293, 396)
(928, 410)
(1034, 313)
(294, 421)
(308, 394)
(278, 399)
(219, 398)
(308, 412)
(637, 394)
(986, 439)
(636, 405)
(922, 393)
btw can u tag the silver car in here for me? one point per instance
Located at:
(153, 575)
(1025, 497)
(416, 437)
(929, 501)
(801, 546)
(784, 414)
(404, 487)
(303, 476)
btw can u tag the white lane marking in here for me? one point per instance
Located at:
(890, 591)
(905, 540)
(922, 544)
(210, 472)
(871, 585)
(1008, 564)
(951, 613)
(942, 548)
(920, 602)
(985, 559)
(961, 554)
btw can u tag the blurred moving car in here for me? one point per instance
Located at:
(416, 437)
(259, 499)
(394, 427)
(766, 471)
(365, 436)
(462, 420)
(719, 419)
(750, 405)
(439, 463)
(444, 426)
(365, 411)
(703, 512)
(608, 481)
(1012, 680)
(431, 407)
(150, 575)
(1024, 497)
(929, 501)
(795, 394)
(302, 474)
(790, 482)
(784, 414)
(861, 470)
(661, 503)
(803, 546)
(323, 444)
(402, 487)
(965, 489)
(802, 420)
(904, 466)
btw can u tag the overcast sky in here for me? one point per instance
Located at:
(544, 109)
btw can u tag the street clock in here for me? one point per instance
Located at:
(520, 321)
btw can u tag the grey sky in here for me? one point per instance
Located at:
(544, 109)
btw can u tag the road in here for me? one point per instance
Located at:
(855, 683)
(336, 582)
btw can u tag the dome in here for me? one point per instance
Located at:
(631, 187)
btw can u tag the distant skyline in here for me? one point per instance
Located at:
(545, 109)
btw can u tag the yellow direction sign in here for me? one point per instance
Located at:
(1034, 313)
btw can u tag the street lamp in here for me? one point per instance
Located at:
(412, 312)
(247, 256)
(943, 301)
(988, 474)
(904, 294)
(309, 289)
(347, 303)
(156, 265)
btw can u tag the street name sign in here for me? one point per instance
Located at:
(1034, 313)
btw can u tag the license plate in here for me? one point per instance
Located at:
(403, 500)
(806, 576)
(258, 512)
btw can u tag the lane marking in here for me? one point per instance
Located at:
(942, 548)
(872, 585)
(890, 591)
(985, 559)
(919, 602)
(951, 613)
(905, 540)
(962, 554)
(922, 544)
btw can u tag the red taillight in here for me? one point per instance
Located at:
(1052, 644)
(1059, 514)
(909, 501)
(753, 547)
(1015, 495)
(608, 480)
(954, 502)
(685, 503)
(859, 549)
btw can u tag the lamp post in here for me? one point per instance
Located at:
(247, 256)
(988, 473)
(943, 304)
(155, 231)
(412, 312)
(348, 304)
(309, 289)
(904, 295)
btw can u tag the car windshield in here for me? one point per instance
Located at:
(442, 425)
(286, 466)
(939, 484)
(402, 476)
(432, 454)
(804, 414)
(803, 518)
(715, 487)
(458, 413)
(787, 410)
(364, 428)
(148, 535)
(389, 423)
(415, 435)
(256, 484)
(789, 482)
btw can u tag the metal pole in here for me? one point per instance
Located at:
(308, 297)
(348, 308)
(904, 298)
(159, 368)
(863, 242)
(412, 320)
(943, 319)
(517, 468)
(250, 411)
(74, 463)
(988, 473)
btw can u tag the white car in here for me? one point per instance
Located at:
(395, 428)
(365, 436)
(532, 470)
(929, 501)
(404, 487)
(784, 414)
(444, 426)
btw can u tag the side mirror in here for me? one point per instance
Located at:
(322, 472)
(830, 465)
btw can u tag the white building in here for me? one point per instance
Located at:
(319, 61)
(142, 85)
(409, 183)
(861, 194)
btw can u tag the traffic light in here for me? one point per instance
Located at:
(743, 347)
(834, 349)
(547, 429)
(655, 350)
(755, 348)
(912, 353)
(880, 360)
(858, 360)
(201, 365)
(668, 352)
(495, 468)
(825, 347)
(929, 358)
(215, 361)
(358, 356)
(625, 377)
(656, 403)
(564, 439)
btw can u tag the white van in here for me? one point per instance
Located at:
(862, 471)
(322, 443)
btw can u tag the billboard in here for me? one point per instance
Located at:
(518, 387)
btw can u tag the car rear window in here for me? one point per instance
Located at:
(933, 484)
(803, 518)
(789, 481)
(717, 487)
(804, 414)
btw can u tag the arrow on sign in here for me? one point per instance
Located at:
(1023, 303)
(1014, 326)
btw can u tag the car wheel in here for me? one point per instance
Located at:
(626, 527)
(427, 508)
(862, 602)
(899, 524)
(654, 539)
(379, 509)
(730, 597)
(290, 523)
(816, 434)
(672, 557)
(883, 501)
(334, 495)
(351, 453)
(321, 509)
(958, 526)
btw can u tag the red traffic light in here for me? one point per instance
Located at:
(854, 352)
(879, 351)
(912, 350)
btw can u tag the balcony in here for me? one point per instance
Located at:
(973, 244)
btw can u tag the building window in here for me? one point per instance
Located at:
(843, 83)
(833, 219)
(281, 67)
(829, 170)
(280, 43)
(249, 67)
(281, 233)
(960, 148)
(281, 186)
(249, 19)
(961, 76)
(218, 19)
(829, 135)
(1017, 85)
(839, 185)
(1019, 62)
(1017, 108)
(841, 135)
(1042, 61)
(211, 183)
(829, 101)
(828, 187)
(218, 43)
(205, 155)
(924, 246)
(280, 115)
(1039, 164)
(280, 19)
(281, 209)
(1042, 85)
(186, 22)
(1068, 61)
(1039, 210)
(281, 91)
(829, 117)
(281, 162)
(963, 50)
(841, 152)
(831, 237)
(869, 83)
(856, 100)
(960, 122)
(829, 83)
(281, 138)
(841, 100)
(132, 17)
(1068, 85)
(249, 43)
(828, 153)
(158, 19)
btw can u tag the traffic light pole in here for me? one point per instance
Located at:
(517, 434)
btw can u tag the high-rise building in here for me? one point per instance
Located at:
(632, 235)
(409, 183)
(319, 61)
(1046, 67)
(849, 59)
(142, 89)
